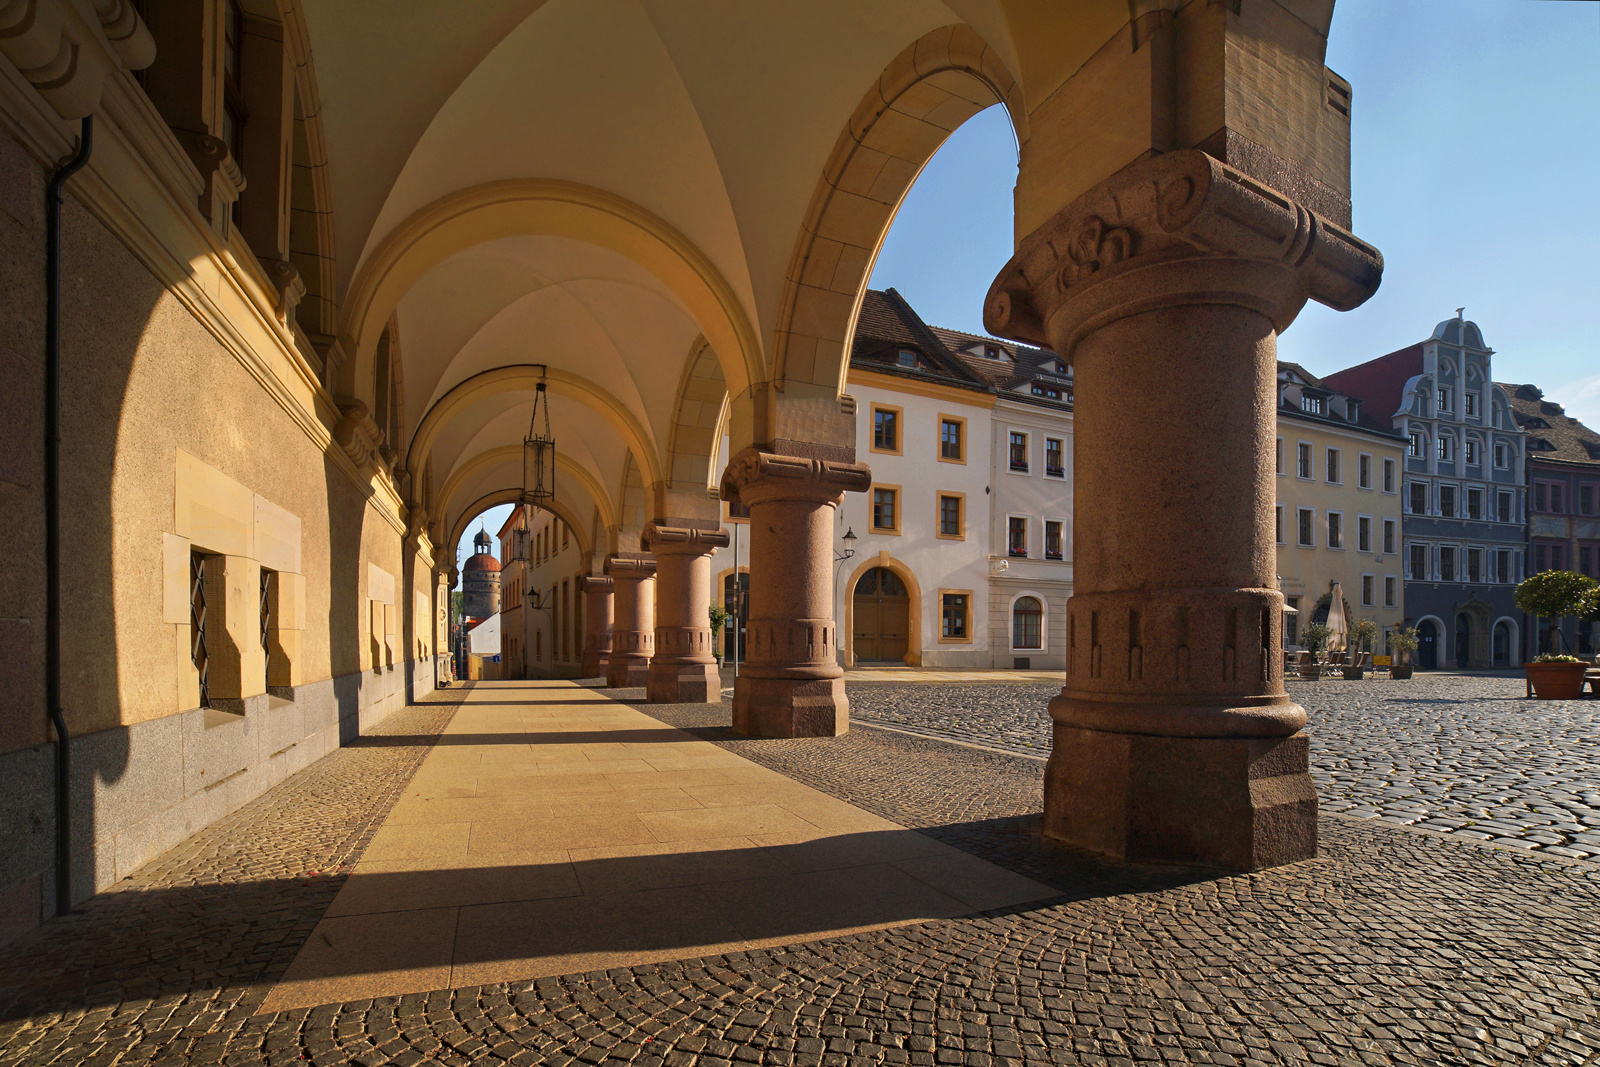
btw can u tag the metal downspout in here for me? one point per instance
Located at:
(52, 515)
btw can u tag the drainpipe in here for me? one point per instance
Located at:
(52, 514)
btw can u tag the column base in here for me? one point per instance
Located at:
(683, 683)
(790, 707)
(1244, 803)
(627, 672)
(594, 665)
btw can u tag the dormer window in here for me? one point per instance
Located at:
(1352, 410)
(1311, 404)
(991, 351)
(1048, 391)
(1061, 368)
(906, 358)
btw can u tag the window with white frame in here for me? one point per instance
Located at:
(1447, 501)
(1474, 502)
(1503, 506)
(1388, 536)
(1280, 524)
(1302, 467)
(1017, 536)
(1471, 447)
(1019, 452)
(1055, 464)
(1470, 401)
(1363, 533)
(1447, 563)
(1027, 624)
(1053, 539)
(1364, 471)
(1308, 537)
(1388, 475)
(1390, 591)
(1414, 444)
(1335, 530)
(1501, 455)
(1335, 472)
(1368, 582)
(1419, 498)
(1280, 455)
(1446, 400)
(1446, 448)
(1474, 565)
(1418, 570)
(1502, 566)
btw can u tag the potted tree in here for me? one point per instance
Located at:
(1361, 634)
(1313, 637)
(1554, 595)
(719, 622)
(1402, 643)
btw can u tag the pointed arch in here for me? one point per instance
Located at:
(694, 438)
(459, 524)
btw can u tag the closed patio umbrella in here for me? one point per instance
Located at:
(1338, 628)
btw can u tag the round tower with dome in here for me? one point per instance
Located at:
(480, 580)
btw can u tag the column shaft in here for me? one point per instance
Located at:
(599, 617)
(683, 669)
(633, 635)
(1174, 740)
(791, 684)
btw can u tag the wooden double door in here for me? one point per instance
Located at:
(882, 617)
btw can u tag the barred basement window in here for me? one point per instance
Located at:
(197, 625)
(266, 626)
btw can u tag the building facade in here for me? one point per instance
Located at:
(542, 609)
(1563, 485)
(1464, 525)
(1339, 522)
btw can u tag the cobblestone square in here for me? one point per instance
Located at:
(1459, 753)
(1394, 946)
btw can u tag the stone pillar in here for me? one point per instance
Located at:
(597, 590)
(683, 670)
(1166, 287)
(790, 684)
(633, 636)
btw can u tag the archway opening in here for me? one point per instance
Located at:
(882, 617)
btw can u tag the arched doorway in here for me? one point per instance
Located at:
(1502, 644)
(1463, 643)
(882, 616)
(1427, 645)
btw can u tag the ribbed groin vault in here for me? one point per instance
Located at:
(319, 343)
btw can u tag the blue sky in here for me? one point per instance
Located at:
(1475, 144)
(1476, 148)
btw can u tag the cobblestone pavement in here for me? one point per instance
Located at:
(1461, 754)
(1394, 946)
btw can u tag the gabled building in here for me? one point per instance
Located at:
(1463, 525)
(1563, 479)
(1338, 508)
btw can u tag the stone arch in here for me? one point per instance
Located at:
(510, 496)
(524, 376)
(933, 86)
(311, 225)
(695, 435)
(540, 207)
(633, 508)
(1513, 642)
(565, 465)
(847, 629)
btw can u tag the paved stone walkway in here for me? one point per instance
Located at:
(1464, 754)
(1394, 946)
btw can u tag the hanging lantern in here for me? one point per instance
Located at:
(539, 455)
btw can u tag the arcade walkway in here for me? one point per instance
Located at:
(554, 829)
(1394, 946)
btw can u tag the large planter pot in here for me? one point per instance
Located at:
(1354, 674)
(1310, 672)
(1556, 681)
(1401, 671)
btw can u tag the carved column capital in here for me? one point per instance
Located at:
(596, 583)
(755, 477)
(630, 567)
(681, 540)
(1180, 228)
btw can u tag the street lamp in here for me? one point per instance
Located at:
(539, 453)
(849, 546)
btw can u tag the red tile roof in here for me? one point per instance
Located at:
(1379, 382)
